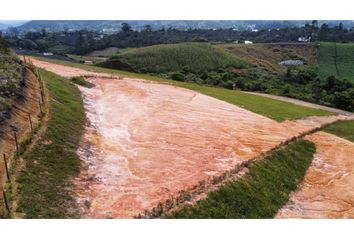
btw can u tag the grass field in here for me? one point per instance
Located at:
(274, 109)
(336, 54)
(344, 129)
(43, 184)
(259, 193)
(196, 57)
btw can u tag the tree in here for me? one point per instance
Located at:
(315, 24)
(126, 27)
(147, 28)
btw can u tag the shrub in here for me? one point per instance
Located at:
(178, 76)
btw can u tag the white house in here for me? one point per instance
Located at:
(248, 42)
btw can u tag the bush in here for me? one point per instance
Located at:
(82, 82)
(178, 76)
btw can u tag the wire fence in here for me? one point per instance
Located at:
(18, 136)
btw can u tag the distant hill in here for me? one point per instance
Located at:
(115, 25)
(4, 24)
(167, 58)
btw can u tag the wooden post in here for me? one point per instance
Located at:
(6, 203)
(30, 121)
(16, 142)
(40, 105)
(6, 168)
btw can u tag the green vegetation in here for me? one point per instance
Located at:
(11, 78)
(168, 58)
(82, 82)
(277, 110)
(344, 129)
(252, 67)
(44, 183)
(259, 193)
(336, 59)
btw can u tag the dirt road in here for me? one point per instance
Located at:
(303, 103)
(146, 141)
(327, 191)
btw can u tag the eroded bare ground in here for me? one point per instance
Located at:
(145, 141)
(327, 190)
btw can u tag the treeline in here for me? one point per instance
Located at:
(83, 41)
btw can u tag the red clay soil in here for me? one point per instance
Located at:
(327, 191)
(146, 141)
(19, 118)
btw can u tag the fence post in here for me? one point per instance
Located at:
(16, 142)
(40, 105)
(6, 168)
(6, 204)
(30, 121)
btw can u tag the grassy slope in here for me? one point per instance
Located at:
(44, 188)
(261, 192)
(344, 129)
(197, 57)
(277, 110)
(345, 59)
(269, 55)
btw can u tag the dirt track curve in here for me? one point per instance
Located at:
(146, 141)
(303, 103)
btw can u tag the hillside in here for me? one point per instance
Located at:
(268, 56)
(192, 57)
(253, 67)
(336, 59)
(11, 78)
(114, 25)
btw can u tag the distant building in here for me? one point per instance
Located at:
(47, 54)
(88, 62)
(304, 39)
(291, 63)
(248, 42)
(236, 41)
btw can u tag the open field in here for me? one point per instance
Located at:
(337, 59)
(129, 117)
(44, 182)
(327, 190)
(277, 110)
(261, 191)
